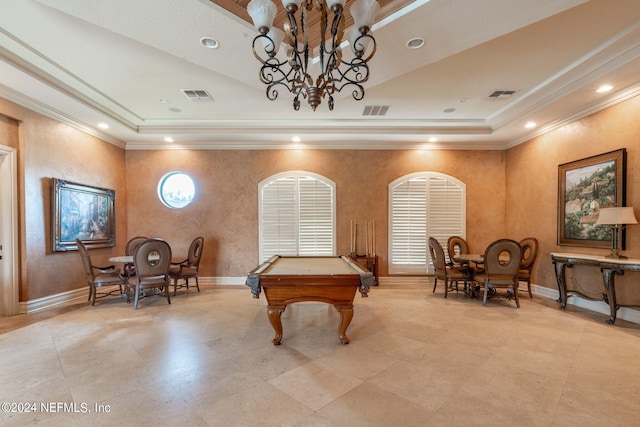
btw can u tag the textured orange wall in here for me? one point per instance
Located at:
(47, 149)
(532, 179)
(8, 132)
(225, 211)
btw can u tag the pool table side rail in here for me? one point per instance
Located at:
(256, 277)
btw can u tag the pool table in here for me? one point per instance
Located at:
(289, 279)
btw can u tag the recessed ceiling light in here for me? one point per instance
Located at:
(464, 100)
(163, 101)
(175, 110)
(168, 139)
(530, 125)
(449, 110)
(296, 139)
(433, 139)
(415, 43)
(604, 88)
(103, 126)
(209, 43)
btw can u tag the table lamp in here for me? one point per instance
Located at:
(617, 218)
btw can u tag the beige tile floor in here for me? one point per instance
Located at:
(415, 359)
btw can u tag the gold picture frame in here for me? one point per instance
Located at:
(82, 212)
(585, 186)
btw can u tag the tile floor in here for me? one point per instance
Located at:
(415, 359)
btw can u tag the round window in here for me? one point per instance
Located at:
(176, 190)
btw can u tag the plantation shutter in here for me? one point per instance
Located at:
(423, 205)
(316, 234)
(278, 218)
(445, 209)
(297, 215)
(409, 227)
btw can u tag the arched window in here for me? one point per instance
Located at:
(422, 205)
(296, 215)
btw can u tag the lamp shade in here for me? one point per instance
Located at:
(296, 3)
(361, 45)
(262, 12)
(276, 35)
(616, 216)
(330, 3)
(364, 12)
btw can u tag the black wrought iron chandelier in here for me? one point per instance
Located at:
(293, 72)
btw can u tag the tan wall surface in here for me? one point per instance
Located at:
(8, 132)
(225, 211)
(509, 194)
(49, 149)
(532, 180)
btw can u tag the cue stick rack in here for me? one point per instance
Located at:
(369, 259)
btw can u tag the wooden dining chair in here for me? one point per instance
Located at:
(456, 245)
(151, 260)
(529, 247)
(449, 275)
(501, 265)
(99, 276)
(188, 268)
(130, 249)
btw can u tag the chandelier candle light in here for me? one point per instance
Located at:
(293, 72)
(617, 218)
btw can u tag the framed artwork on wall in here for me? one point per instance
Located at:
(82, 212)
(584, 187)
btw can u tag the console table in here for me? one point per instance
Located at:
(610, 267)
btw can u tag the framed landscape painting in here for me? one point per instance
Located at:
(82, 212)
(584, 187)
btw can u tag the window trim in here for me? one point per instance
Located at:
(162, 182)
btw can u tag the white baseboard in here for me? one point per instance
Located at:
(602, 307)
(55, 300)
(405, 280)
(81, 294)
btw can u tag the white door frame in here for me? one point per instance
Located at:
(9, 292)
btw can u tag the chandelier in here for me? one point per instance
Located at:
(293, 72)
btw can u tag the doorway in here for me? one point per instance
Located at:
(9, 292)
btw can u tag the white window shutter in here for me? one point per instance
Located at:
(316, 224)
(423, 205)
(297, 215)
(408, 227)
(278, 218)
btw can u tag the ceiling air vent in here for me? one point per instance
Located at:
(375, 110)
(500, 94)
(197, 95)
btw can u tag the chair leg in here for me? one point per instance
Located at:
(516, 294)
(166, 288)
(136, 297)
(447, 282)
(197, 284)
(435, 283)
(486, 292)
(175, 286)
(529, 287)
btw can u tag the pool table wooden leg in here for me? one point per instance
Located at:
(274, 312)
(346, 314)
